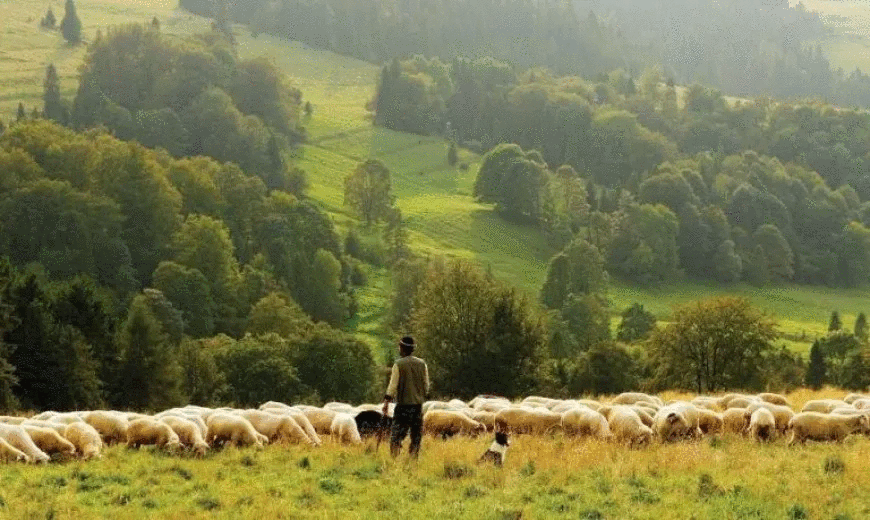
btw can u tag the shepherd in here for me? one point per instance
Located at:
(409, 387)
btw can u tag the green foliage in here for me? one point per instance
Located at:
(452, 154)
(275, 313)
(587, 319)
(579, 270)
(513, 180)
(835, 324)
(408, 276)
(49, 21)
(201, 381)
(861, 330)
(71, 26)
(190, 293)
(334, 365)
(637, 324)
(776, 250)
(367, 191)
(711, 345)
(477, 335)
(52, 104)
(644, 245)
(149, 367)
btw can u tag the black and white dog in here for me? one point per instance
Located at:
(497, 449)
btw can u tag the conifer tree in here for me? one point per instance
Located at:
(861, 326)
(71, 26)
(815, 376)
(52, 105)
(452, 155)
(835, 323)
(49, 21)
(22, 114)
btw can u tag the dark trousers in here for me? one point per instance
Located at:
(407, 417)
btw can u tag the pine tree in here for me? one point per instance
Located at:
(49, 22)
(452, 155)
(71, 26)
(861, 326)
(22, 114)
(52, 105)
(835, 323)
(815, 376)
(155, 24)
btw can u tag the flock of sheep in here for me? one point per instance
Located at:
(631, 418)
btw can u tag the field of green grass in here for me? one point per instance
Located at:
(848, 44)
(435, 199)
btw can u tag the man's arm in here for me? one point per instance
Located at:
(392, 388)
(426, 384)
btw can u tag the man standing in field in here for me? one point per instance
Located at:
(409, 387)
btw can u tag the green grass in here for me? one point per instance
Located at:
(543, 477)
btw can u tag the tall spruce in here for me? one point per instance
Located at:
(835, 323)
(52, 104)
(816, 370)
(71, 26)
(861, 326)
(49, 21)
(22, 113)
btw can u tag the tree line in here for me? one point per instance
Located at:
(756, 191)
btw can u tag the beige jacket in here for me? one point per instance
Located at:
(409, 381)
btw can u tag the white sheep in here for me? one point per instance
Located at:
(320, 419)
(448, 422)
(776, 399)
(111, 426)
(626, 427)
(781, 414)
(149, 431)
(671, 423)
(762, 425)
(11, 453)
(276, 427)
(17, 436)
(736, 420)
(823, 405)
(50, 441)
(582, 421)
(85, 438)
(822, 427)
(189, 434)
(344, 429)
(234, 429)
(527, 420)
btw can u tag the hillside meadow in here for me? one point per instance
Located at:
(435, 199)
(543, 477)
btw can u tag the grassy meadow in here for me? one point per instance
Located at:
(442, 217)
(543, 477)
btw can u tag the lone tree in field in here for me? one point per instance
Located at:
(637, 323)
(816, 370)
(861, 326)
(367, 191)
(712, 345)
(22, 114)
(71, 26)
(452, 155)
(49, 21)
(835, 324)
(52, 105)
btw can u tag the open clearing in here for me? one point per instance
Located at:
(442, 217)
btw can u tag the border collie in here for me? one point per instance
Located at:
(497, 449)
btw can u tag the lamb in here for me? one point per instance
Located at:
(774, 399)
(142, 432)
(447, 423)
(11, 453)
(582, 421)
(736, 420)
(344, 429)
(626, 427)
(321, 419)
(671, 423)
(276, 427)
(527, 420)
(189, 434)
(50, 441)
(17, 437)
(85, 438)
(238, 431)
(781, 414)
(111, 426)
(821, 427)
(762, 425)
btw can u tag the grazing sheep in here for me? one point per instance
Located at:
(821, 427)
(232, 429)
(692, 415)
(710, 422)
(145, 432)
(447, 423)
(276, 427)
(762, 425)
(582, 421)
(736, 420)
(339, 407)
(17, 436)
(321, 419)
(66, 418)
(851, 398)
(274, 404)
(344, 429)
(861, 404)
(371, 423)
(6, 419)
(10, 453)
(742, 402)
(646, 414)
(626, 427)
(634, 397)
(85, 438)
(492, 405)
(781, 414)
(189, 434)
(707, 403)
(670, 423)
(485, 418)
(50, 441)
(527, 420)
(44, 416)
(111, 426)
(595, 405)
(58, 427)
(774, 399)
(564, 406)
(197, 420)
(823, 405)
(303, 423)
